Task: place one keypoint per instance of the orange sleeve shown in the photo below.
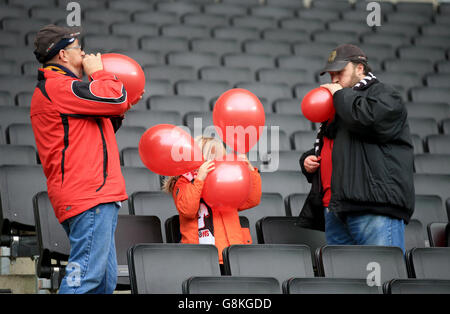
(254, 198)
(187, 196)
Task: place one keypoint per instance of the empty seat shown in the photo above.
(429, 263)
(15, 84)
(155, 203)
(283, 230)
(417, 143)
(428, 209)
(231, 75)
(11, 38)
(438, 234)
(24, 99)
(335, 37)
(432, 41)
(438, 80)
(446, 126)
(271, 12)
(107, 15)
(236, 33)
(433, 110)
(329, 286)
(312, 64)
(295, 202)
(378, 51)
(423, 126)
(132, 230)
(206, 89)
(148, 119)
(185, 31)
(206, 20)
(9, 67)
(319, 49)
(285, 76)
(282, 160)
(130, 157)
(357, 261)
(252, 61)
(21, 134)
(198, 121)
(253, 22)
(231, 285)
(275, 260)
(303, 140)
(304, 25)
(17, 155)
(285, 35)
(162, 268)
(244, 3)
(415, 8)
(415, 52)
(292, 4)
(319, 13)
(432, 184)
(225, 9)
(130, 6)
(407, 65)
(417, 286)
(164, 43)
(10, 115)
(157, 18)
(284, 182)
(288, 123)
(171, 73)
(18, 185)
(268, 47)
(432, 163)
(193, 59)
(129, 136)
(404, 79)
(23, 26)
(180, 104)
(414, 236)
(435, 30)
(408, 18)
(158, 87)
(438, 144)
(269, 91)
(179, 8)
(271, 140)
(53, 242)
(216, 46)
(354, 27)
(288, 105)
(136, 30)
(138, 179)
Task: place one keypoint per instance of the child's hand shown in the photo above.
(204, 169)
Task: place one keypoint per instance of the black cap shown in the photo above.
(341, 56)
(51, 39)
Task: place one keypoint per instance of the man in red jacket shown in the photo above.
(74, 124)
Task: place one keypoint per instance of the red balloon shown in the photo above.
(169, 150)
(317, 105)
(227, 187)
(243, 114)
(128, 71)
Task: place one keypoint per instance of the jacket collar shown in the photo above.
(366, 82)
(56, 68)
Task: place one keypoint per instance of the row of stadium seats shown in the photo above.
(254, 260)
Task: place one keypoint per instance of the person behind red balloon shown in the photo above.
(199, 223)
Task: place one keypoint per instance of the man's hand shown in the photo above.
(311, 163)
(333, 87)
(92, 63)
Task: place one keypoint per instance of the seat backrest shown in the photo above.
(294, 203)
(423, 126)
(164, 43)
(358, 261)
(274, 260)
(231, 285)
(432, 163)
(417, 286)
(284, 182)
(437, 234)
(18, 185)
(432, 184)
(430, 263)
(17, 155)
(131, 158)
(148, 119)
(252, 61)
(329, 286)
(129, 136)
(206, 89)
(162, 268)
(10, 115)
(52, 239)
(438, 144)
(414, 236)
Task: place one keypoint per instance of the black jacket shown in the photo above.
(372, 157)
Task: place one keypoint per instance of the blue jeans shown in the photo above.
(364, 230)
(92, 266)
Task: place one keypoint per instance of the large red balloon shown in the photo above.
(128, 71)
(243, 114)
(227, 187)
(317, 105)
(169, 150)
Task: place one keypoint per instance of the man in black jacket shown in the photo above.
(361, 166)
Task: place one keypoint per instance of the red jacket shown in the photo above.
(227, 228)
(75, 138)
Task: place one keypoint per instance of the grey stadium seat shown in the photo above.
(185, 31)
(304, 140)
(409, 65)
(206, 89)
(172, 73)
(17, 155)
(161, 268)
(178, 8)
(164, 43)
(215, 45)
(287, 105)
(345, 261)
(432, 163)
(269, 47)
(272, 12)
(130, 157)
(285, 160)
(288, 123)
(21, 134)
(430, 263)
(415, 52)
(252, 61)
(423, 126)
(438, 144)
(319, 13)
(430, 94)
(225, 9)
(438, 234)
(206, 20)
(180, 104)
(129, 136)
(304, 25)
(253, 22)
(232, 75)
(417, 286)
(438, 80)
(285, 35)
(10, 115)
(285, 76)
(414, 236)
(432, 184)
(429, 209)
(16, 84)
(284, 182)
(107, 15)
(334, 37)
(269, 91)
(329, 286)
(236, 33)
(157, 18)
(148, 119)
(433, 110)
(193, 59)
(275, 260)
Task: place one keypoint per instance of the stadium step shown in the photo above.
(19, 276)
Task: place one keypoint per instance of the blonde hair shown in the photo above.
(211, 148)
